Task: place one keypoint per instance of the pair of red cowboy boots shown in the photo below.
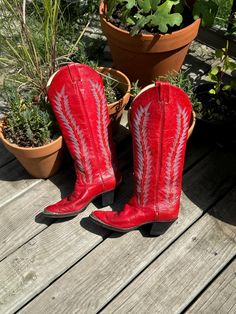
(160, 118)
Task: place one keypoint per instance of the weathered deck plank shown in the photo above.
(14, 181)
(18, 219)
(96, 280)
(121, 258)
(177, 276)
(220, 297)
(213, 175)
(32, 267)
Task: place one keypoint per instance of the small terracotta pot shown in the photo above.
(145, 57)
(116, 109)
(40, 162)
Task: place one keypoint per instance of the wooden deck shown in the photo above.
(73, 266)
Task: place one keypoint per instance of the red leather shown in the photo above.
(160, 118)
(76, 94)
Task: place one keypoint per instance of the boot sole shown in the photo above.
(157, 227)
(107, 199)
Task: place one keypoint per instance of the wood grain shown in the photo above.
(220, 297)
(19, 219)
(102, 274)
(179, 275)
(32, 267)
(14, 181)
(107, 269)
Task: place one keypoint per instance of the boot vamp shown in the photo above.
(129, 217)
(77, 201)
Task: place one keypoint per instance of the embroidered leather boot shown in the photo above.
(160, 118)
(76, 94)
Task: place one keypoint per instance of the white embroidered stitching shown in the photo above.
(143, 167)
(102, 122)
(73, 130)
(173, 161)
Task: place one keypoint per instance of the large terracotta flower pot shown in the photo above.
(116, 108)
(40, 162)
(145, 57)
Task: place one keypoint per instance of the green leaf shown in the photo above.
(226, 87)
(131, 21)
(214, 70)
(111, 6)
(232, 65)
(141, 22)
(212, 91)
(206, 10)
(154, 4)
(163, 16)
(219, 53)
(212, 77)
(144, 5)
(130, 4)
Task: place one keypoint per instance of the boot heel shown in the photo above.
(108, 198)
(158, 228)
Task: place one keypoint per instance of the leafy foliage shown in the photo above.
(217, 72)
(185, 83)
(112, 91)
(33, 43)
(206, 10)
(135, 89)
(160, 15)
(28, 123)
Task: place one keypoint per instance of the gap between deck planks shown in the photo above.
(96, 279)
(23, 198)
(26, 214)
(173, 280)
(14, 181)
(220, 297)
(103, 272)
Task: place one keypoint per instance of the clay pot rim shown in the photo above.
(126, 95)
(109, 69)
(145, 36)
(57, 141)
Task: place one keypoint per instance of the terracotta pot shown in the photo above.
(116, 109)
(145, 57)
(40, 162)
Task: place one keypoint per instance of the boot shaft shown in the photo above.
(160, 118)
(76, 94)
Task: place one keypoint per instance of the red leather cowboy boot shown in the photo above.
(76, 94)
(160, 118)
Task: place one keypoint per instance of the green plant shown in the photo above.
(111, 86)
(160, 16)
(223, 13)
(32, 47)
(29, 42)
(217, 72)
(186, 84)
(28, 123)
(135, 89)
